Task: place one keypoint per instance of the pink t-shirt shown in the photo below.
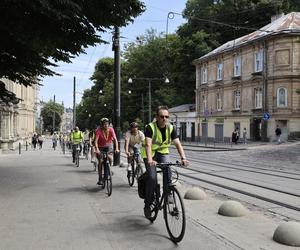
(102, 140)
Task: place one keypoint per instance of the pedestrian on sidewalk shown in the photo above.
(34, 140)
(278, 134)
(245, 136)
(235, 136)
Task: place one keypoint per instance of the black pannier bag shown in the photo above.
(142, 185)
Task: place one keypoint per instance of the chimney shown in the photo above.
(277, 16)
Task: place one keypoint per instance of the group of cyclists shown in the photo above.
(154, 144)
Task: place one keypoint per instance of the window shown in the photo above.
(258, 98)
(219, 102)
(237, 99)
(258, 61)
(281, 97)
(237, 66)
(220, 71)
(204, 102)
(204, 74)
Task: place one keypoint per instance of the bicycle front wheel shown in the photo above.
(108, 180)
(130, 174)
(154, 207)
(87, 151)
(174, 215)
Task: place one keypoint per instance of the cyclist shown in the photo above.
(133, 137)
(86, 140)
(105, 137)
(76, 138)
(159, 135)
(54, 140)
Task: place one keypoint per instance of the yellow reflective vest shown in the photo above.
(76, 137)
(157, 144)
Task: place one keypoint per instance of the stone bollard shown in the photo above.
(232, 209)
(195, 193)
(288, 233)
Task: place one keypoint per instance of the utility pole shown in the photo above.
(53, 118)
(74, 102)
(117, 86)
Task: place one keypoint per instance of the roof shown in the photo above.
(183, 108)
(289, 23)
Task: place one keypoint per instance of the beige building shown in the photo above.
(17, 118)
(251, 83)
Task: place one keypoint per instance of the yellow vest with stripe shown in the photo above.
(76, 137)
(157, 144)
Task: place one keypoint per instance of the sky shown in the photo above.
(82, 67)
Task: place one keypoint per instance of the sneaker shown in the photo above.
(147, 212)
(100, 182)
(73, 160)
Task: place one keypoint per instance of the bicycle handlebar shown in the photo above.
(168, 164)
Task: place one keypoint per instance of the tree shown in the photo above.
(229, 19)
(47, 112)
(97, 101)
(36, 34)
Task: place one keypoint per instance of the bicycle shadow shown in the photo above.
(93, 189)
(136, 228)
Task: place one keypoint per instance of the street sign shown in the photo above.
(266, 116)
(206, 113)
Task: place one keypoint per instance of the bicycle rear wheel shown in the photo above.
(77, 159)
(108, 179)
(174, 215)
(130, 174)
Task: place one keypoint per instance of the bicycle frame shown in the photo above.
(165, 169)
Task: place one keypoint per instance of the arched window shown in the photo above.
(281, 97)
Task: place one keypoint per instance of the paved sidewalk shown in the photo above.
(47, 203)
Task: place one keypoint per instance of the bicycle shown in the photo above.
(137, 171)
(77, 155)
(106, 176)
(54, 144)
(86, 149)
(171, 203)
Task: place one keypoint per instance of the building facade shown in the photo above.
(184, 117)
(67, 120)
(251, 83)
(17, 118)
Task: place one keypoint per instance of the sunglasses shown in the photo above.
(164, 116)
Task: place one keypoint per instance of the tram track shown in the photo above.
(279, 196)
(242, 168)
(257, 196)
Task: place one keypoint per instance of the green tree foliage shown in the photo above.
(36, 34)
(47, 112)
(97, 101)
(229, 19)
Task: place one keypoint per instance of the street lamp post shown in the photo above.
(130, 80)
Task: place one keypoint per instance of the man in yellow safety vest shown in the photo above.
(158, 137)
(76, 138)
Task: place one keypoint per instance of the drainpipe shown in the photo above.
(264, 127)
